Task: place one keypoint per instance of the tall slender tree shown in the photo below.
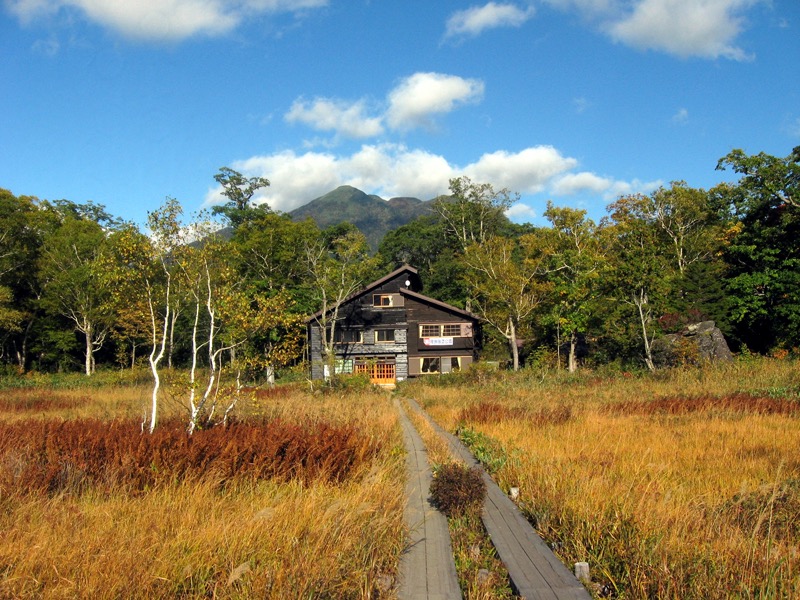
(575, 260)
(507, 282)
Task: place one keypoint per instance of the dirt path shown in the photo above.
(535, 572)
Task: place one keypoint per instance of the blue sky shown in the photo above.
(578, 101)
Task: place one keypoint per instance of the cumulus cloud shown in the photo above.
(624, 188)
(349, 119)
(684, 28)
(417, 98)
(521, 212)
(574, 183)
(475, 20)
(414, 102)
(162, 19)
(390, 170)
(704, 28)
(527, 171)
(387, 170)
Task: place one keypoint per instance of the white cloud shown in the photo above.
(581, 104)
(684, 28)
(162, 19)
(704, 28)
(387, 170)
(412, 103)
(417, 98)
(624, 188)
(349, 119)
(390, 170)
(475, 20)
(681, 117)
(521, 212)
(527, 171)
(574, 183)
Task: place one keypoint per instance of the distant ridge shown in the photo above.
(373, 215)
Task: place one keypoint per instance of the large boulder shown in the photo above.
(697, 344)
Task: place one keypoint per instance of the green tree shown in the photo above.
(239, 190)
(142, 270)
(638, 271)
(763, 250)
(74, 286)
(507, 281)
(338, 264)
(23, 223)
(425, 244)
(473, 212)
(271, 251)
(575, 262)
(685, 217)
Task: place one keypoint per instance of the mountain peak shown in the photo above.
(373, 215)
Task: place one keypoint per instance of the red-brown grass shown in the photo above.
(742, 403)
(493, 412)
(37, 400)
(72, 456)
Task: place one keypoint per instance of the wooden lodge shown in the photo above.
(391, 331)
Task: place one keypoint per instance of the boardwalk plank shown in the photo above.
(427, 569)
(535, 572)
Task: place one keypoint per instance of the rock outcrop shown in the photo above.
(697, 344)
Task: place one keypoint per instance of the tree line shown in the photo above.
(79, 287)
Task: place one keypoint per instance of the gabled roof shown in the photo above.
(438, 303)
(375, 284)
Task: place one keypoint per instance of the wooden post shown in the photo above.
(582, 572)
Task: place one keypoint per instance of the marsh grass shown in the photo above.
(678, 485)
(198, 530)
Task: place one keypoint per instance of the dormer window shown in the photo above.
(382, 300)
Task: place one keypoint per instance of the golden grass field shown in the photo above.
(682, 484)
(202, 536)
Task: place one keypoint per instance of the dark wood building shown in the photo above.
(391, 331)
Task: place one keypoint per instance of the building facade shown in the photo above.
(391, 331)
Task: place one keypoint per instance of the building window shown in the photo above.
(440, 364)
(342, 366)
(430, 365)
(430, 330)
(381, 300)
(451, 330)
(384, 335)
(349, 336)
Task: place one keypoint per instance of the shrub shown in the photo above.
(457, 489)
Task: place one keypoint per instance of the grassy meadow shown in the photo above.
(301, 496)
(680, 484)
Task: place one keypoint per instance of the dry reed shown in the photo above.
(678, 485)
(216, 532)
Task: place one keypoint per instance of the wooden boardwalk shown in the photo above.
(535, 572)
(427, 569)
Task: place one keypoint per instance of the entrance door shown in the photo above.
(380, 372)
